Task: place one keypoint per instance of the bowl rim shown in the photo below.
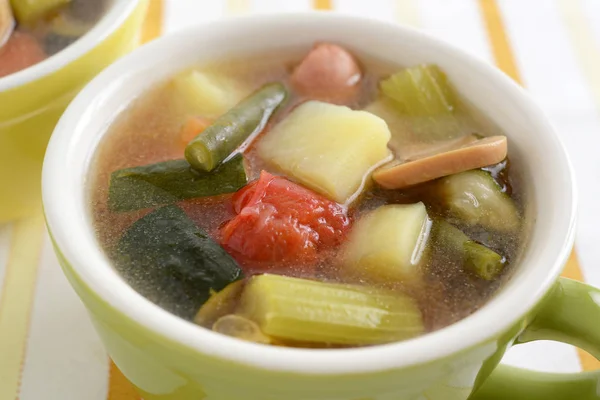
(486, 325)
(117, 14)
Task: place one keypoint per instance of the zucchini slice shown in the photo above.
(173, 263)
(474, 198)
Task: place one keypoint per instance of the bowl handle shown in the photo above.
(571, 314)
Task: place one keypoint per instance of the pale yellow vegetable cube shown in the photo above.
(328, 148)
(208, 93)
(388, 244)
(28, 11)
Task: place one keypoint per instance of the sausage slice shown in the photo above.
(21, 51)
(327, 73)
(476, 154)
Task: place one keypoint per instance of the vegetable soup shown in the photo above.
(33, 30)
(309, 200)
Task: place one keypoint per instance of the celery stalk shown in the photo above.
(309, 311)
(420, 91)
(423, 95)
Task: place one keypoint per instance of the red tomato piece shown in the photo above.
(280, 223)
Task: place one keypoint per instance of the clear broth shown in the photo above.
(148, 132)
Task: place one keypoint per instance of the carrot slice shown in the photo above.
(192, 128)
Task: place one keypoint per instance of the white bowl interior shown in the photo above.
(533, 146)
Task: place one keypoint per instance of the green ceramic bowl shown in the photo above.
(33, 100)
(168, 358)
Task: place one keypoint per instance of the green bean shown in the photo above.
(230, 130)
(476, 258)
(485, 263)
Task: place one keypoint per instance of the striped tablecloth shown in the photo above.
(48, 349)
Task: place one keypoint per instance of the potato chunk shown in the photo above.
(387, 244)
(327, 148)
(207, 93)
(28, 11)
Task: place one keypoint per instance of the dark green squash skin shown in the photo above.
(166, 250)
(171, 181)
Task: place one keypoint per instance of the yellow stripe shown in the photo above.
(505, 60)
(323, 5)
(119, 388)
(237, 7)
(503, 54)
(153, 23)
(16, 300)
(406, 13)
